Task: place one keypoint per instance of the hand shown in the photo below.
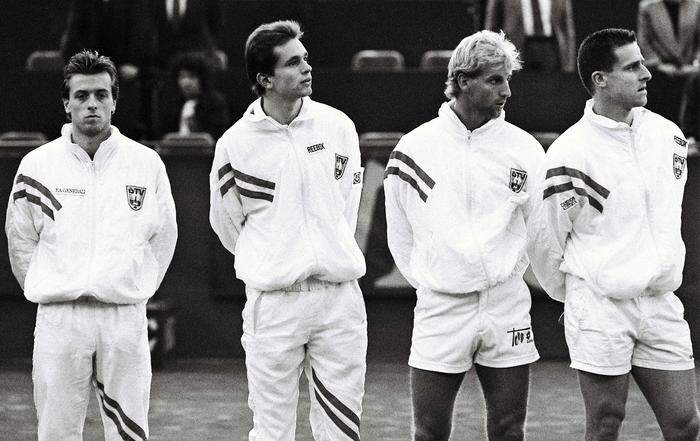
(128, 72)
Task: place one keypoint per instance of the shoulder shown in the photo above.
(520, 137)
(45, 153)
(329, 114)
(135, 150)
(426, 132)
(646, 4)
(570, 144)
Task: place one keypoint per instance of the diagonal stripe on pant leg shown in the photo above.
(128, 421)
(338, 422)
(125, 436)
(352, 416)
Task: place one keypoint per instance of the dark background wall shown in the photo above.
(200, 283)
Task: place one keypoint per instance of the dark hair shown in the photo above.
(259, 49)
(597, 52)
(196, 63)
(89, 62)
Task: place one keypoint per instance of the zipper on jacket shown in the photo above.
(303, 196)
(93, 221)
(470, 195)
(637, 162)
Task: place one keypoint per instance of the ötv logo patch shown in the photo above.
(135, 196)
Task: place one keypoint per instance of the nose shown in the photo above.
(92, 101)
(646, 75)
(505, 91)
(307, 66)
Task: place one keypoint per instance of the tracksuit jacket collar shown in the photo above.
(104, 151)
(449, 115)
(255, 112)
(610, 124)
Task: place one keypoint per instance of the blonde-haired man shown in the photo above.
(458, 201)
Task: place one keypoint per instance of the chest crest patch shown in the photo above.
(340, 163)
(678, 165)
(135, 196)
(517, 179)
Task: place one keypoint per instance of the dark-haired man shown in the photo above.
(91, 231)
(285, 190)
(612, 197)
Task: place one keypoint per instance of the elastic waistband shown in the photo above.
(87, 299)
(310, 284)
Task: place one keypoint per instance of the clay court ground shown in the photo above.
(205, 400)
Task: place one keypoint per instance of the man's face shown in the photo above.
(90, 103)
(292, 73)
(487, 93)
(189, 84)
(626, 83)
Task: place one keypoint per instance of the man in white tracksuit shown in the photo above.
(459, 196)
(91, 231)
(285, 191)
(612, 197)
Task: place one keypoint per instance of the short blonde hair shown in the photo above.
(477, 51)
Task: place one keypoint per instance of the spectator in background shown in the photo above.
(117, 28)
(669, 35)
(200, 107)
(542, 29)
(188, 26)
(690, 113)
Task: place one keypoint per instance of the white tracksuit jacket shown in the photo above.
(104, 228)
(613, 197)
(284, 198)
(457, 202)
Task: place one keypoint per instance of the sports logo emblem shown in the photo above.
(340, 163)
(517, 179)
(134, 196)
(678, 165)
(680, 141)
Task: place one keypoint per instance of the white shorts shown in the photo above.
(315, 326)
(492, 328)
(82, 343)
(608, 336)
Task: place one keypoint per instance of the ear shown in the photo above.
(65, 105)
(264, 80)
(462, 81)
(599, 78)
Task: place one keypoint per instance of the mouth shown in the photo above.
(306, 81)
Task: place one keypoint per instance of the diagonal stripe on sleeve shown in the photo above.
(253, 180)
(255, 194)
(225, 169)
(36, 200)
(549, 191)
(574, 173)
(39, 186)
(407, 178)
(411, 163)
(338, 422)
(227, 186)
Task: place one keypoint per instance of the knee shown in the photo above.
(607, 422)
(431, 431)
(683, 428)
(508, 427)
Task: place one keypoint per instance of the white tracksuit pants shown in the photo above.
(80, 343)
(316, 326)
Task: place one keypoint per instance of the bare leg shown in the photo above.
(433, 395)
(671, 395)
(604, 397)
(505, 393)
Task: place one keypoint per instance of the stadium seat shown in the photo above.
(23, 136)
(545, 138)
(45, 61)
(377, 60)
(435, 60)
(378, 145)
(178, 145)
